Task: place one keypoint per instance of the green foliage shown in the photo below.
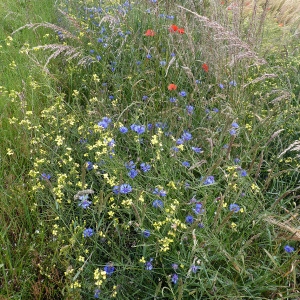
(141, 162)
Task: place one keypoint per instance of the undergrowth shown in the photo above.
(151, 152)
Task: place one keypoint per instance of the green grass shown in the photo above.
(64, 160)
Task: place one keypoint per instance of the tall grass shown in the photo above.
(150, 152)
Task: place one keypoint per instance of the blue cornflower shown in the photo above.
(158, 204)
(232, 132)
(215, 109)
(89, 166)
(100, 40)
(123, 129)
(189, 109)
(194, 268)
(139, 129)
(236, 160)
(198, 208)
(235, 125)
(182, 93)
(138, 62)
(174, 278)
(88, 232)
(45, 176)
(221, 86)
(148, 265)
(234, 207)
(161, 193)
(111, 97)
(109, 269)
(189, 219)
(161, 125)
(201, 225)
(170, 17)
(243, 173)
(130, 165)
(233, 83)
(104, 122)
(186, 164)
(144, 98)
(175, 149)
(125, 188)
(289, 249)
(146, 233)
(145, 167)
(96, 293)
(98, 57)
(173, 54)
(179, 141)
(197, 149)
(149, 126)
(132, 173)
(175, 267)
(92, 51)
(173, 99)
(186, 136)
(149, 56)
(163, 63)
(111, 143)
(84, 202)
(198, 81)
(116, 189)
(209, 180)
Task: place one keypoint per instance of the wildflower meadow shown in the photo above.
(149, 149)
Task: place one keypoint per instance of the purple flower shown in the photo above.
(149, 56)
(161, 193)
(235, 125)
(116, 189)
(45, 176)
(158, 204)
(194, 268)
(179, 141)
(139, 129)
(289, 249)
(144, 98)
(173, 99)
(197, 149)
(221, 86)
(96, 294)
(123, 129)
(88, 232)
(175, 149)
(243, 173)
(186, 136)
(109, 269)
(233, 83)
(236, 160)
(104, 122)
(132, 173)
(209, 180)
(148, 265)
(234, 207)
(232, 132)
(186, 164)
(130, 165)
(125, 188)
(175, 267)
(189, 109)
(182, 93)
(146, 233)
(215, 110)
(198, 209)
(89, 166)
(189, 219)
(163, 63)
(84, 202)
(174, 278)
(145, 167)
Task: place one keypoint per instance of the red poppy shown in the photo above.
(205, 67)
(180, 30)
(173, 28)
(150, 32)
(172, 87)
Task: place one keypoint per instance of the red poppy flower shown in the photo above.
(173, 28)
(180, 30)
(150, 32)
(172, 87)
(205, 67)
